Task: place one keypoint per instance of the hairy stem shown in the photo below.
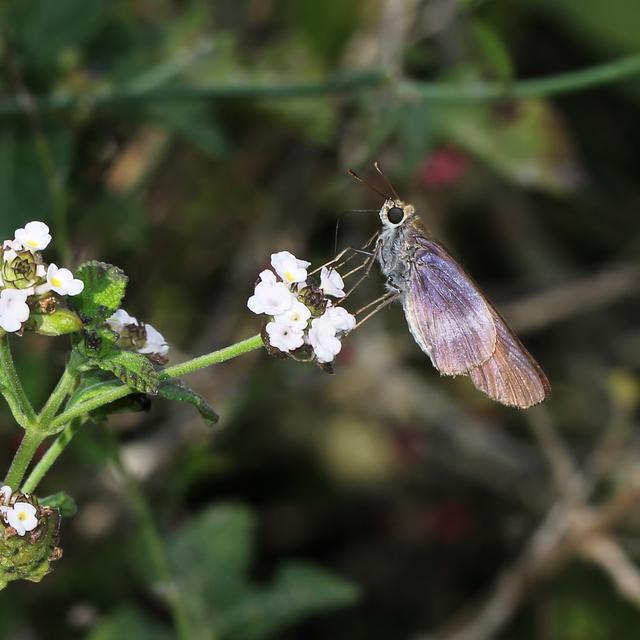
(63, 389)
(30, 442)
(11, 387)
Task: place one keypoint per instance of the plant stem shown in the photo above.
(190, 366)
(216, 357)
(353, 82)
(57, 397)
(11, 387)
(29, 445)
(51, 455)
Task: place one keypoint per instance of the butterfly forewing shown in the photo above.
(447, 315)
(511, 375)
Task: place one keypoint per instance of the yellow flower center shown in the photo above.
(56, 282)
(32, 243)
(22, 515)
(289, 276)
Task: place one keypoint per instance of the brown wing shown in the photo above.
(511, 376)
(447, 315)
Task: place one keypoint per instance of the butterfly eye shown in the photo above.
(395, 215)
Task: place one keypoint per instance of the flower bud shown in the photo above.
(58, 323)
(28, 556)
(21, 270)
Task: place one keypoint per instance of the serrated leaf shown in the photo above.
(172, 390)
(61, 501)
(104, 288)
(134, 369)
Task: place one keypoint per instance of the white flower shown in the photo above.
(270, 297)
(284, 337)
(331, 283)
(14, 309)
(155, 342)
(6, 492)
(119, 320)
(63, 282)
(10, 249)
(322, 337)
(22, 517)
(341, 319)
(35, 236)
(268, 276)
(289, 268)
(296, 317)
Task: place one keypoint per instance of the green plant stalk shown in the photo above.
(31, 440)
(51, 455)
(68, 422)
(12, 389)
(156, 549)
(59, 394)
(346, 83)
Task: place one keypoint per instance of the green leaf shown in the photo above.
(44, 30)
(61, 501)
(492, 51)
(177, 391)
(104, 289)
(211, 557)
(299, 590)
(24, 188)
(134, 369)
(129, 624)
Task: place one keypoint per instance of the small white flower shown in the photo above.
(63, 282)
(289, 268)
(284, 337)
(14, 309)
(6, 492)
(270, 297)
(22, 517)
(10, 249)
(341, 319)
(155, 342)
(295, 317)
(35, 236)
(119, 320)
(322, 337)
(268, 276)
(331, 283)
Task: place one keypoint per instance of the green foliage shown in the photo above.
(61, 501)
(179, 392)
(129, 624)
(133, 369)
(25, 190)
(58, 323)
(211, 558)
(104, 289)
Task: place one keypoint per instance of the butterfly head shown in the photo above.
(395, 213)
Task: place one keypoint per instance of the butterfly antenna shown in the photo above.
(353, 174)
(387, 181)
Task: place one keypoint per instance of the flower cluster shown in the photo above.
(23, 275)
(137, 336)
(302, 313)
(21, 516)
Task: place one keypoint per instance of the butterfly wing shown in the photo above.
(447, 315)
(511, 376)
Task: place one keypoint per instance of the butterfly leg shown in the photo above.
(380, 303)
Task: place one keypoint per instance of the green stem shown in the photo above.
(353, 82)
(51, 455)
(12, 389)
(156, 551)
(63, 389)
(30, 442)
(111, 395)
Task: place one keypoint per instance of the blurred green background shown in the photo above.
(382, 501)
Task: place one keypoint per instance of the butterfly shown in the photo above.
(449, 316)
